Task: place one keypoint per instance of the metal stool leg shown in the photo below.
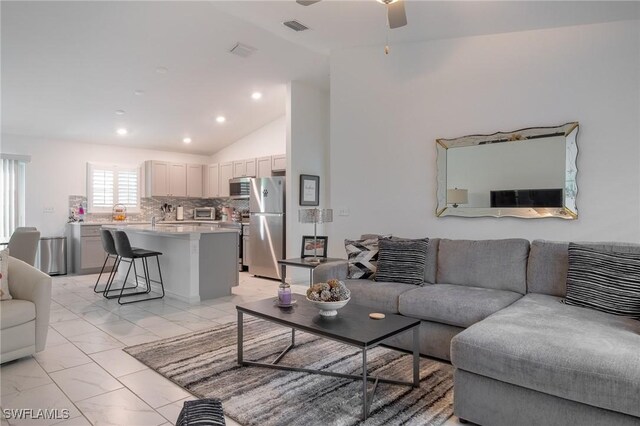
(104, 265)
(148, 280)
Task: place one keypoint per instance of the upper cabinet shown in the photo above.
(212, 180)
(195, 180)
(244, 168)
(156, 178)
(278, 163)
(177, 179)
(263, 167)
(166, 179)
(225, 174)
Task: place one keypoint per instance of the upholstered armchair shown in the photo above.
(24, 319)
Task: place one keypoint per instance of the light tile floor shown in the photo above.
(83, 368)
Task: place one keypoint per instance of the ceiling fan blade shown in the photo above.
(307, 2)
(396, 14)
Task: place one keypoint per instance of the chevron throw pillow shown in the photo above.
(362, 256)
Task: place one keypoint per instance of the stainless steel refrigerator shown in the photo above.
(266, 226)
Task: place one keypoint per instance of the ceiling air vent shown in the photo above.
(295, 26)
(242, 50)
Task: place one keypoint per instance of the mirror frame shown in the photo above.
(567, 211)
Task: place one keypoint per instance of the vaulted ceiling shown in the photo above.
(67, 67)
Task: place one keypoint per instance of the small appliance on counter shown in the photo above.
(119, 213)
(204, 213)
(180, 213)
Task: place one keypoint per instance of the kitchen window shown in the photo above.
(109, 184)
(12, 181)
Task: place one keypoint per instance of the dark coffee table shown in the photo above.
(352, 326)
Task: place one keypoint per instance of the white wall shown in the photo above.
(307, 153)
(387, 110)
(58, 169)
(270, 139)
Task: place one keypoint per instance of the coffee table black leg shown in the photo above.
(365, 409)
(416, 356)
(240, 337)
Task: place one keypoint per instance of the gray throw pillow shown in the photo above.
(603, 280)
(402, 261)
(362, 256)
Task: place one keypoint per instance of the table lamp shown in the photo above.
(315, 216)
(457, 196)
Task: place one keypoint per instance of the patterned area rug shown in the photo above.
(205, 364)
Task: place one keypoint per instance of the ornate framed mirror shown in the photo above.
(527, 173)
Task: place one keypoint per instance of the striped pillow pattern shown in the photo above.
(201, 412)
(604, 281)
(402, 261)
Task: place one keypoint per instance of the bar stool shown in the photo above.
(129, 254)
(110, 248)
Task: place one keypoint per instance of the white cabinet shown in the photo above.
(194, 180)
(278, 163)
(225, 172)
(87, 253)
(165, 179)
(244, 168)
(211, 181)
(177, 180)
(263, 167)
(157, 178)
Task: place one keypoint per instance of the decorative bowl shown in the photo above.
(329, 309)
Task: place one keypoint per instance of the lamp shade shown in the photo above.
(457, 196)
(315, 215)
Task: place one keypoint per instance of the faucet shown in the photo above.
(153, 222)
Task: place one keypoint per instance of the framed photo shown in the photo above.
(307, 246)
(309, 190)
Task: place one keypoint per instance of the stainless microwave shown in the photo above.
(204, 213)
(240, 187)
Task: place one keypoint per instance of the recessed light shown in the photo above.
(256, 95)
(122, 131)
(139, 92)
(120, 112)
(186, 140)
(161, 70)
(220, 119)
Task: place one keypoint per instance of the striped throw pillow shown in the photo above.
(201, 412)
(402, 261)
(604, 281)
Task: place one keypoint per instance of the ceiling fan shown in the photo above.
(395, 11)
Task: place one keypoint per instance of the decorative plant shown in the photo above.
(331, 291)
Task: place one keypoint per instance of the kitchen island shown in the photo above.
(198, 262)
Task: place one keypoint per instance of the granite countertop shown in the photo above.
(172, 229)
(145, 222)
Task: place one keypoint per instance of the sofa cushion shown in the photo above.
(377, 295)
(4, 275)
(457, 305)
(549, 263)
(15, 312)
(362, 256)
(542, 344)
(604, 281)
(496, 264)
(402, 261)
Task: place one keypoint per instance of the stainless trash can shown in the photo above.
(52, 255)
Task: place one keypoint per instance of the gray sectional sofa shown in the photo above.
(521, 357)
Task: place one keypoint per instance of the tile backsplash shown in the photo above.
(150, 207)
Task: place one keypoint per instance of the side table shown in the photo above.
(304, 263)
